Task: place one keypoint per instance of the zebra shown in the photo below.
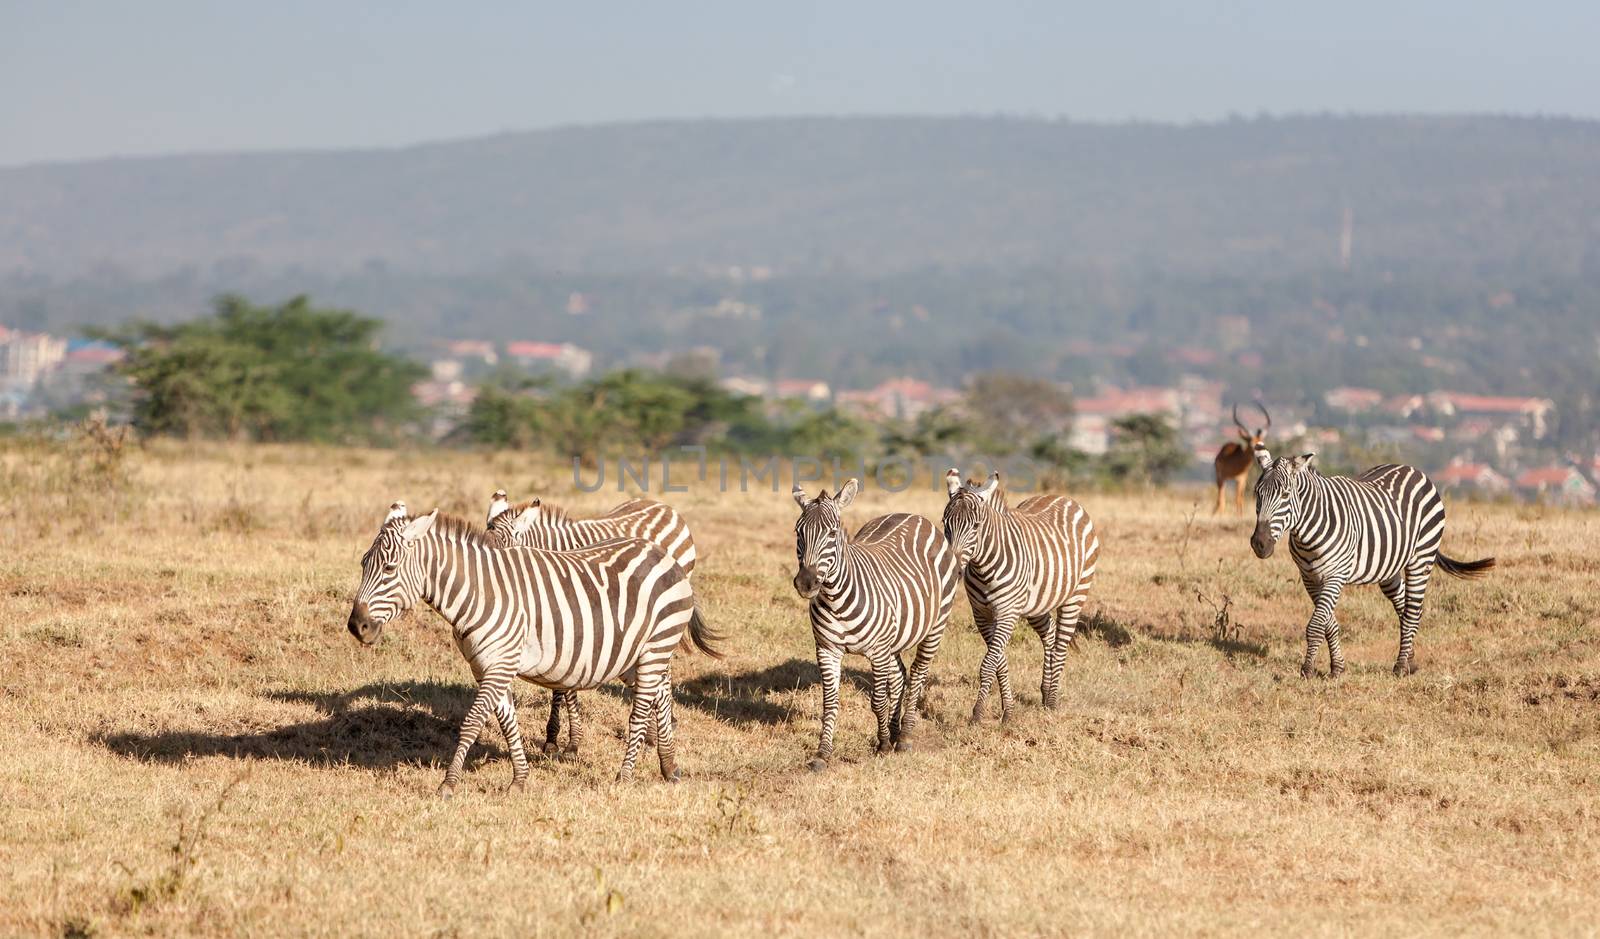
(565, 620)
(887, 589)
(1382, 527)
(536, 524)
(1035, 561)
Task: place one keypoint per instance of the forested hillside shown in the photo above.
(854, 249)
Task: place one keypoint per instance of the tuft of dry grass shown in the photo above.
(195, 746)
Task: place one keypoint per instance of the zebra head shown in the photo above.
(967, 512)
(391, 574)
(819, 537)
(508, 524)
(1277, 498)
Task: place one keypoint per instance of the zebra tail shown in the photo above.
(1469, 570)
(700, 636)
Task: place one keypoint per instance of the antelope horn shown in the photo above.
(1236, 420)
(1264, 414)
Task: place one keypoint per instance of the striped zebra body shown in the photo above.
(1035, 561)
(1383, 527)
(885, 590)
(536, 524)
(565, 620)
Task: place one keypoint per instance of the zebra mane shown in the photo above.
(449, 527)
(549, 508)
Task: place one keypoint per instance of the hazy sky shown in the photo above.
(82, 80)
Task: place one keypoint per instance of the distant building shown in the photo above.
(574, 360)
(1404, 406)
(903, 398)
(449, 401)
(1532, 413)
(1353, 400)
(25, 357)
(807, 388)
(741, 385)
(1113, 403)
(1479, 477)
(479, 349)
(1558, 485)
(1090, 433)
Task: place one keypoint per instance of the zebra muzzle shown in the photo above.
(806, 583)
(362, 626)
(1262, 543)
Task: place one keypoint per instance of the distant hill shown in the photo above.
(858, 195)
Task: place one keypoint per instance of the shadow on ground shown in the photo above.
(376, 726)
(743, 698)
(379, 726)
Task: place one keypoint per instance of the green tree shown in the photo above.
(286, 372)
(1010, 412)
(1145, 449)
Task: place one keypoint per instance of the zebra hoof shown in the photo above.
(1336, 671)
(902, 745)
(1052, 704)
(568, 755)
(447, 790)
(1307, 672)
(1402, 669)
(551, 748)
(624, 776)
(675, 776)
(516, 786)
(817, 764)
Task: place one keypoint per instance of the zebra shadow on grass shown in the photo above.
(375, 726)
(745, 698)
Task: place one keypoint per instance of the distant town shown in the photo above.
(1490, 446)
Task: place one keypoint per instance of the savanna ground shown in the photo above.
(193, 744)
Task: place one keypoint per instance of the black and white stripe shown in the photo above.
(536, 524)
(1382, 527)
(1035, 561)
(566, 620)
(886, 589)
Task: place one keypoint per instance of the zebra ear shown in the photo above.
(799, 495)
(525, 520)
(1303, 460)
(498, 504)
(419, 526)
(990, 487)
(952, 481)
(1263, 457)
(847, 493)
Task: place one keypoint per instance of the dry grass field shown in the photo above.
(194, 745)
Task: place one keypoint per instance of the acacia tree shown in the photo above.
(286, 372)
(1145, 448)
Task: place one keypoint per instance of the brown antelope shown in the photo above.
(1235, 459)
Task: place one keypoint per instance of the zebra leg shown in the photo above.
(552, 727)
(1064, 629)
(505, 711)
(1327, 597)
(897, 703)
(916, 691)
(886, 689)
(492, 687)
(574, 726)
(828, 664)
(995, 627)
(1335, 654)
(666, 751)
(1416, 586)
(644, 705)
